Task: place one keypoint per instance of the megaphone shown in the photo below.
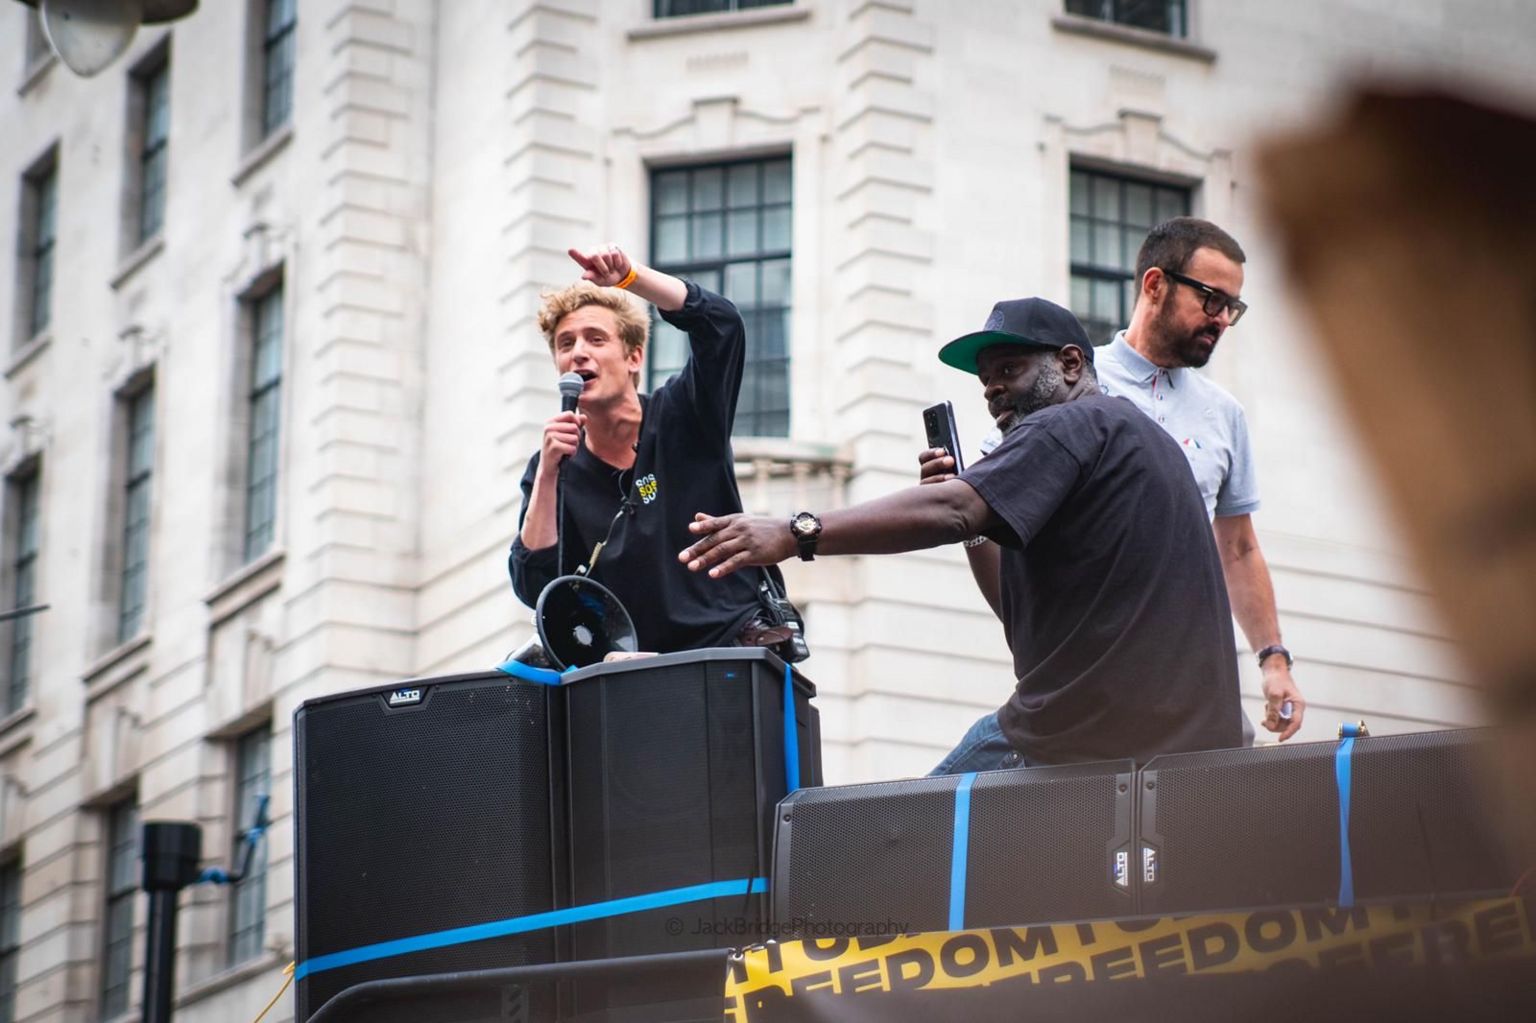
(88, 35)
(579, 622)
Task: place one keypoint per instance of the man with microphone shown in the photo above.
(634, 466)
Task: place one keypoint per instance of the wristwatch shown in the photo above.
(1275, 648)
(806, 529)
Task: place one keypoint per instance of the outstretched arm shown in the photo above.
(908, 520)
(937, 466)
(1252, 594)
(608, 267)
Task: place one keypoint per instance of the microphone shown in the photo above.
(570, 391)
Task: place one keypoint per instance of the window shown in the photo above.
(10, 936)
(679, 8)
(264, 402)
(139, 461)
(727, 226)
(153, 101)
(1110, 217)
(22, 501)
(117, 920)
(1165, 16)
(278, 23)
(39, 214)
(248, 900)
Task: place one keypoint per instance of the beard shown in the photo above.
(1190, 348)
(1041, 394)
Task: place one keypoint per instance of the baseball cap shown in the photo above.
(1029, 322)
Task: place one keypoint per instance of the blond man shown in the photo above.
(636, 466)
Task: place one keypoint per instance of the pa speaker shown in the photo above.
(423, 807)
(1249, 828)
(998, 848)
(676, 764)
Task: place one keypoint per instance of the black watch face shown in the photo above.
(805, 523)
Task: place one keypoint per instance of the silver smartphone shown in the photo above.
(939, 422)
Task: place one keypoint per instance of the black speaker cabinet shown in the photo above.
(425, 806)
(676, 764)
(1034, 845)
(1248, 828)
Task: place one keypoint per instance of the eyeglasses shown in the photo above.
(1214, 300)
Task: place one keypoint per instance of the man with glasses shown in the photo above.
(1189, 274)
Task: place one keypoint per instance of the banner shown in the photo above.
(958, 974)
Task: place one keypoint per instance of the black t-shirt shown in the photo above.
(683, 464)
(1113, 599)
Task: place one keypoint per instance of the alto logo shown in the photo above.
(1148, 865)
(404, 697)
(1122, 869)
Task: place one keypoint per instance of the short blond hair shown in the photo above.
(634, 325)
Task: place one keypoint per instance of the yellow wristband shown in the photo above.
(629, 279)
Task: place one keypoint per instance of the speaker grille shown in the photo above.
(1237, 829)
(419, 820)
(1043, 842)
(851, 856)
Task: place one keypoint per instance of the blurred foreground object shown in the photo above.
(88, 35)
(1409, 228)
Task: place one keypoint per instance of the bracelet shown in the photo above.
(975, 541)
(629, 278)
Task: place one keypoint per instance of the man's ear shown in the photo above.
(1072, 360)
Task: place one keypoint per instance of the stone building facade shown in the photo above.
(271, 374)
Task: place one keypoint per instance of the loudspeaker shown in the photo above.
(676, 764)
(1248, 828)
(998, 848)
(424, 806)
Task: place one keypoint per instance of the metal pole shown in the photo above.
(160, 960)
(171, 850)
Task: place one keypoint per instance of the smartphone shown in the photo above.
(939, 422)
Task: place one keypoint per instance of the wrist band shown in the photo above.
(975, 541)
(629, 279)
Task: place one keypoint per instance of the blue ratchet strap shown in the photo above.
(528, 673)
(791, 734)
(533, 922)
(1341, 771)
(960, 852)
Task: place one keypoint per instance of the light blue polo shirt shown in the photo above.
(1207, 422)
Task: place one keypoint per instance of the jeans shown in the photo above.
(982, 748)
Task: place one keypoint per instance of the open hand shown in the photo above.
(729, 542)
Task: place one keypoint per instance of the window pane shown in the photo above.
(1081, 252)
(741, 232)
(253, 779)
(776, 229)
(1172, 203)
(708, 189)
(1138, 205)
(775, 282)
(741, 185)
(671, 242)
(1081, 303)
(741, 285)
(776, 184)
(1106, 197)
(670, 191)
(1106, 245)
(706, 236)
(738, 213)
